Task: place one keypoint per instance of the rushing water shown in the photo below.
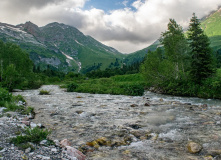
(192, 100)
(116, 127)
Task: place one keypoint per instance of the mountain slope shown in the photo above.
(138, 56)
(212, 28)
(59, 45)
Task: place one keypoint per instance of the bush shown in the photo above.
(19, 98)
(54, 79)
(13, 107)
(5, 95)
(133, 89)
(72, 87)
(35, 135)
(44, 92)
(34, 84)
(27, 111)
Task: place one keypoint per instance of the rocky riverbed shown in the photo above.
(115, 127)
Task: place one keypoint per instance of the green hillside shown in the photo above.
(212, 27)
(138, 56)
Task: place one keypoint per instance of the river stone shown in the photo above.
(194, 147)
(28, 150)
(208, 158)
(43, 142)
(134, 105)
(65, 143)
(53, 150)
(27, 123)
(33, 125)
(161, 100)
(214, 152)
(75, 153)
(2, 109)
(17, 90)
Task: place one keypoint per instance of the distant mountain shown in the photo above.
(61, 46)
(138, 56)
(212, 27)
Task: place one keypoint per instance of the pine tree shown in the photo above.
(202, 64)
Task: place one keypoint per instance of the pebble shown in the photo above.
(43, 142)
(53, 150)
(28, 150)
(33, 125)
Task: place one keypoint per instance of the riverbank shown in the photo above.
(114, 127)
(12, 124)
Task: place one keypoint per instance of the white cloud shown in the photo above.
(125, 3)
(125, 29)
(137, 4)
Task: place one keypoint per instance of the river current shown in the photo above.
(117, 127)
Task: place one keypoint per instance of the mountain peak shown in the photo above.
(30, 28)
(56, 24)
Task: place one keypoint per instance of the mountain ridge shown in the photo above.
(67, 49)
(59, 45)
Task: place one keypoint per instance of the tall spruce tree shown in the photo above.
(202, 64)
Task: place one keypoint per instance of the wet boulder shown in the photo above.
(194, 147)
(93, 144)
(71, 151)
(140, 134)
(75, 153)
(134, 105)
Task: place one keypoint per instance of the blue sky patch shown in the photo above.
(108, 5)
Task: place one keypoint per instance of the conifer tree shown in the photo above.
(202, 64)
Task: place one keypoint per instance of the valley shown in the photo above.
(65, 95)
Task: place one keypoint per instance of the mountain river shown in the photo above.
(117, 127)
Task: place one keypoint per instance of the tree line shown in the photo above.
(16, 68)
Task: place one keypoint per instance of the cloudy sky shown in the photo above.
(127, 25)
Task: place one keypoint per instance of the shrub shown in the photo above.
(44, 92)
(13, 107)
(35, 135)
(72, 87)
(34, 84)
(27, 111)
(133, 89)
(19, 98)
(5, 95)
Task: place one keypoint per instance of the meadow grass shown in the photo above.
(132, 84)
